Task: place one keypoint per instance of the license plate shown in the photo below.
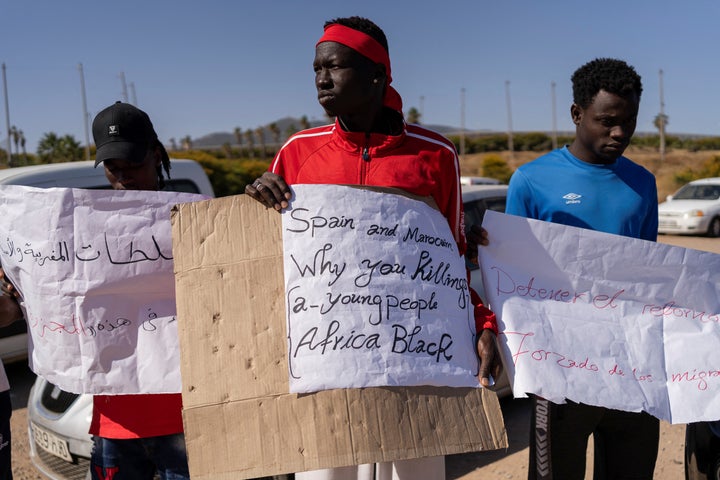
(51, 443)
(667, 223)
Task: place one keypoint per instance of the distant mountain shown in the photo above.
(217, 139)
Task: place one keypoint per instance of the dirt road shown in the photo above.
(503, 464)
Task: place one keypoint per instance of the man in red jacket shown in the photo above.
(370, 144)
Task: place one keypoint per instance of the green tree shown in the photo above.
(711, 168)
(661, 122)
(227, 150)
(55, 149)
(413, 115)
(494, 166)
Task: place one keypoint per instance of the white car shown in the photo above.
(479, 181)
(693, 210)
(59, 421)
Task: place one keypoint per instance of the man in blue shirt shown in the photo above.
(590, 184)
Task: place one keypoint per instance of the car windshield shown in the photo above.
(698, 192)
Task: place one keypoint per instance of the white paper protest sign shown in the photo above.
(376, 293)
(95, 271)
(604, 319)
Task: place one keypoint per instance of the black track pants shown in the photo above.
(626, 444)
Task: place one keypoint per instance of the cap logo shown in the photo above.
(114, 130)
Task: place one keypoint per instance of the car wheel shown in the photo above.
(714, 228)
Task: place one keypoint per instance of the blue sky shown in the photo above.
(199, 67)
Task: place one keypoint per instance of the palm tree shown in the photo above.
(413, 115)
(250, 140)
(260, 132)
(16, 139)
(186, 142)
(70, 149)
(173, 144)
(239, 138)
(53, 149)
(304, 123)
(275, 131)
(48, 146)
(22, 144)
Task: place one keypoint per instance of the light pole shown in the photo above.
(132, 94)
(509, 116)
(7, 116)
(85, 112)
(554, 116)
(124, 87)
(462, 122)
(661, 119)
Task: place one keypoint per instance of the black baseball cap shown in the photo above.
(123, 131)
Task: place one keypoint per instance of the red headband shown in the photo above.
(368, 47)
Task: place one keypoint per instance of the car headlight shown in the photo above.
(694, 213)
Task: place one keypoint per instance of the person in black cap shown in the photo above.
(134, 436)
(125, 140)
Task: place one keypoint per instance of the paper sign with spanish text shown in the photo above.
(604, 319)
(376, 293)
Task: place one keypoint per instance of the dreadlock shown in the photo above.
(165, 165)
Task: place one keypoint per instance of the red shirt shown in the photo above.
(419, 161)
(136, 416)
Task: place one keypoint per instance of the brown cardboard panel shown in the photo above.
(240, 420)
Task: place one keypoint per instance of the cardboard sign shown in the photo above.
(240, 419)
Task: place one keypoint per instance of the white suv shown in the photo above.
(58, 421)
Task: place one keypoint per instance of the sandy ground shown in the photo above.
(501, 464)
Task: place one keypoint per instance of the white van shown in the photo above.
(185, 176)
(58, 421)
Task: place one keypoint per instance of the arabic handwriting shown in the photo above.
(134, 251)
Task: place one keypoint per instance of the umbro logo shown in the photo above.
(572, 198)
(114, 130)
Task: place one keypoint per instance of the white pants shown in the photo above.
(430, 468)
